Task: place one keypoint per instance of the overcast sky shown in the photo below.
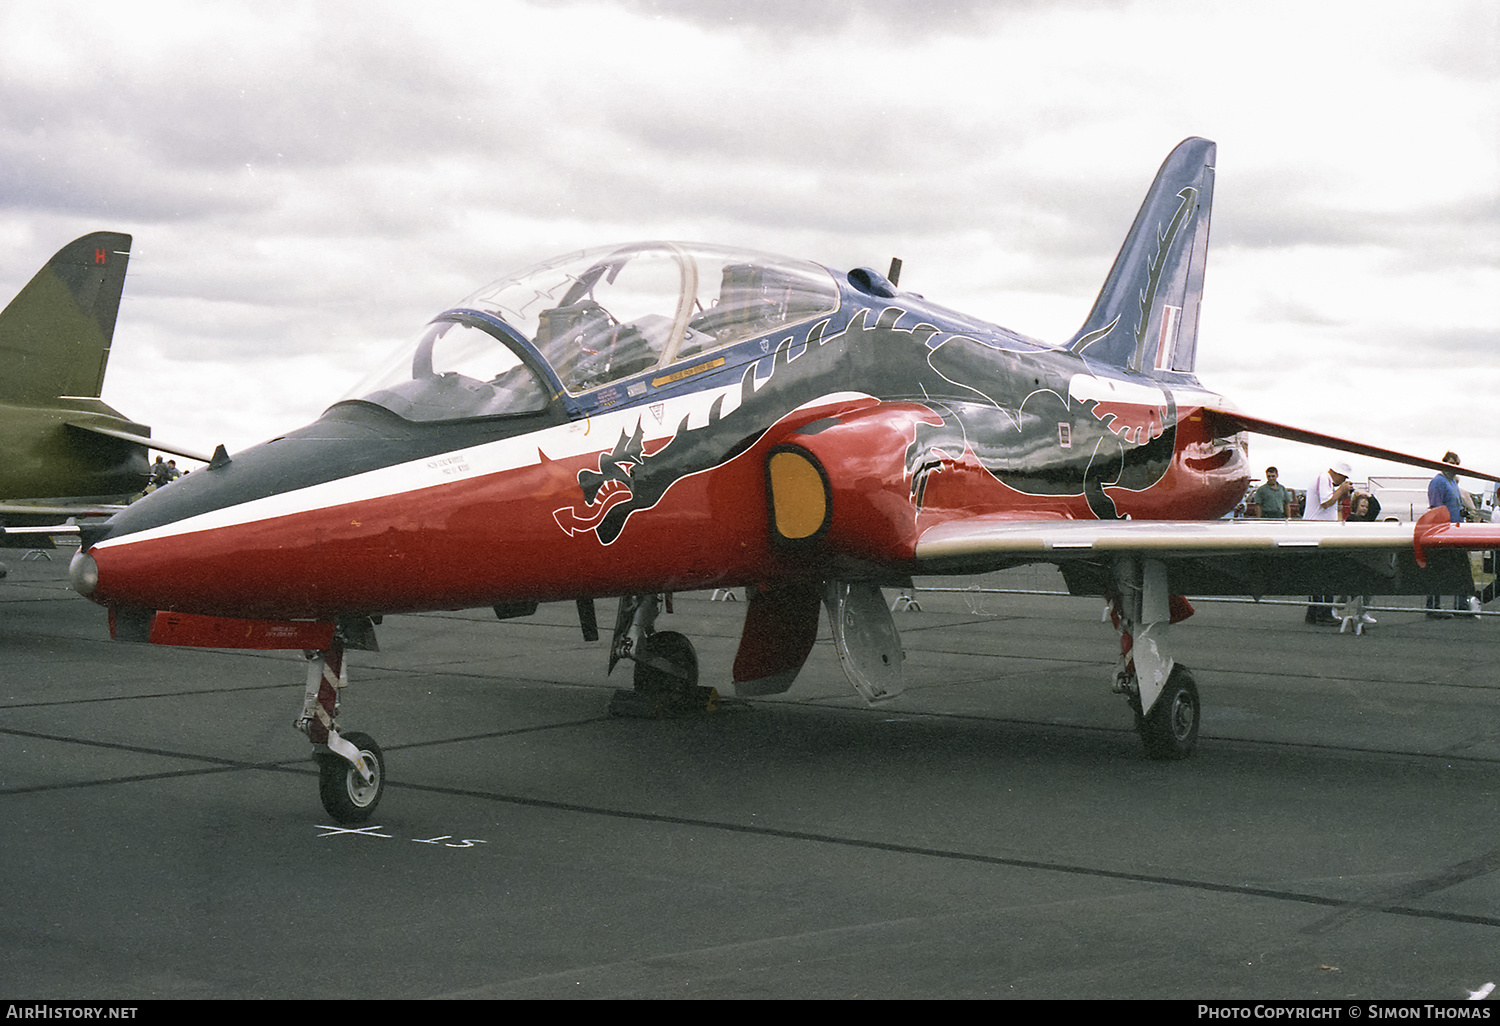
(308, 183)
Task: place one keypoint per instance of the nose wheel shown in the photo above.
(346, 794)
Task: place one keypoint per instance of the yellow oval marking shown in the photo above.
(799, 500)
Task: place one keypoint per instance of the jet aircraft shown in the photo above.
(66, 452)
(658, 417)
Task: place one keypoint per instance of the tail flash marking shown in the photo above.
(1166, 342)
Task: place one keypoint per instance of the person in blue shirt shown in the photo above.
(1443, 490)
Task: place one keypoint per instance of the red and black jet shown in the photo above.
(643, 419)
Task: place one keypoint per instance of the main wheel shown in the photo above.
(344, 792)
(1170, 730)
(676, 651)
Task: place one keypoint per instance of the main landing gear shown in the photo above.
(1162, 693)
(666, 666)
(351, 768)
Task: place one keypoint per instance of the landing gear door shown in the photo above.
(865, 636)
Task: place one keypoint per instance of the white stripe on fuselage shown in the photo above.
(658, 421)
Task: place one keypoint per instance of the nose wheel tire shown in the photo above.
(346, 795)
(1170, 730)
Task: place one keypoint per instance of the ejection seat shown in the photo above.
(590, 345)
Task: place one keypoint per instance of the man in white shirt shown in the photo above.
(1331, 488)
(1322, 503)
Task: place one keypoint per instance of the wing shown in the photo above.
(52, 509)
(1222, 557)
(1234, 420)
(95, 427)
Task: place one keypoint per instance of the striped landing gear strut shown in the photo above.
(351, 768)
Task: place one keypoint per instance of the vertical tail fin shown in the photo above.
(1146, 317)
(55, 335)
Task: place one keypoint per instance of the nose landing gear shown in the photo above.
(351, 769)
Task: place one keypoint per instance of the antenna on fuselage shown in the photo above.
(895, 276)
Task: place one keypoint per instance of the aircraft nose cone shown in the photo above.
(83, 574)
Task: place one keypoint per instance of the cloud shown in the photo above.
(775, 19)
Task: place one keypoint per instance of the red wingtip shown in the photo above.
(1430, 523)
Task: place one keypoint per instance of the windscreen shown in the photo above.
(454, 372)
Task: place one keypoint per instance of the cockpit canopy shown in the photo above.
(589, 319)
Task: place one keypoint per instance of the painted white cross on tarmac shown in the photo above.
(368, 831)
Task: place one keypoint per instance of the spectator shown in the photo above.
(1272, 498)
(1322, 503)
(1362, 508)
(1443, 492)
(158, 475)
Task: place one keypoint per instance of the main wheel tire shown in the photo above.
(344, 793)
(1170, 730)
(675, 650)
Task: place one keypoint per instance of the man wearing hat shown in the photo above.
(1323, 498)
(1331, 488)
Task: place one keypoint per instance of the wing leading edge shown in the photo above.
(139, 438)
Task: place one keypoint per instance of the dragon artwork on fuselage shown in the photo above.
(1072, 435)
(1058, 442)
(1109, 432)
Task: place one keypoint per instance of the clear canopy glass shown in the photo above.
(594, 318)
